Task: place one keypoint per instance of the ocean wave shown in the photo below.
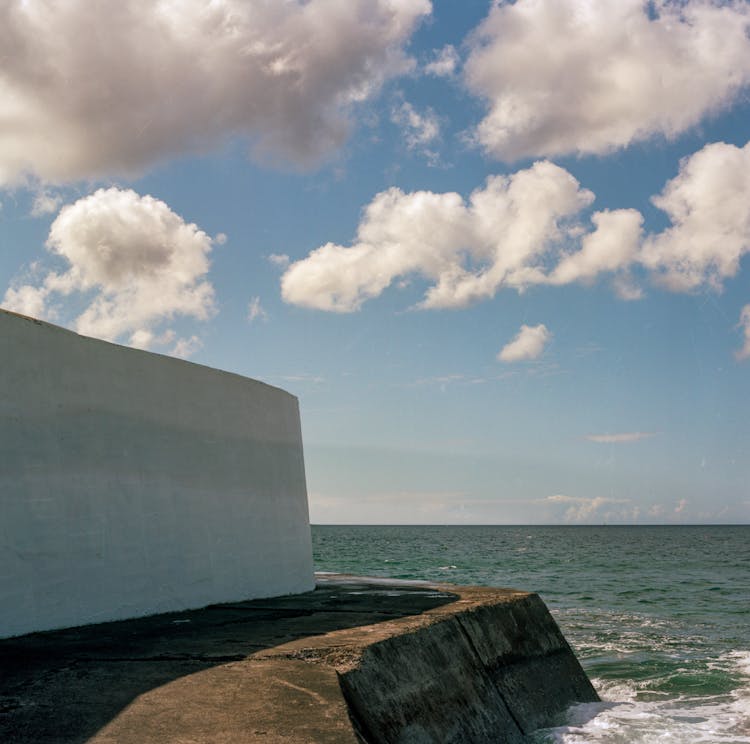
(721, 719)
(696, 700)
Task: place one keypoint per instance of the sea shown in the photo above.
(659, 616)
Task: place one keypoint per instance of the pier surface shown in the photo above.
(355, 660)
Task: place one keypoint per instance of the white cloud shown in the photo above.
(625, 288)
(45, 202)
(590, 77)
(180, 347)
(133, 261)
(186, 347)
(621, 438)
(525, 229)
(584, 509)
(708, 203)
(255, 310)
(528, 344)
(503, 236)
(143, 338)
(279, 259)
(112, 87)
(445, 62)
(744, 323)
(27, 300)
(612, 246)
(418, 130)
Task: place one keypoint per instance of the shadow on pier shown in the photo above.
(66, 686)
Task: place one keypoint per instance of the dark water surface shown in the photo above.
(659, 616)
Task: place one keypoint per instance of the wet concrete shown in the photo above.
(353, 660)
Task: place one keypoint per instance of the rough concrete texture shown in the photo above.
(353, 661)
(122, 468)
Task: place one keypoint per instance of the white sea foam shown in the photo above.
(625, 718)
(741, 659)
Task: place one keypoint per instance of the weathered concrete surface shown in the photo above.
(352, 661)
(121, 468)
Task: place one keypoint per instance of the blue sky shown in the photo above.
(496, 250)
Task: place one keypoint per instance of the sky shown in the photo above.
(496, 249)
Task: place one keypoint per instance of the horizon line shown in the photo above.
(526, 524)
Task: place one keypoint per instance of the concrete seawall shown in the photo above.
(133, 483)
(353, 661)
(499, 663)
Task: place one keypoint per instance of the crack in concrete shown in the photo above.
(314, 695)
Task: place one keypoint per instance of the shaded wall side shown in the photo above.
(132, 483)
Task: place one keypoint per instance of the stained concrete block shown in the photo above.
(495, 660)
(528, 659)
(426, 686)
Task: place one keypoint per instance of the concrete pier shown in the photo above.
(356, 660)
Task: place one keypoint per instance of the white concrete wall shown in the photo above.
(132, 483)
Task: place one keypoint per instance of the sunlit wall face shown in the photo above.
(133, 484)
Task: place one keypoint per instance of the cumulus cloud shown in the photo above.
(612, 246)
(621, 438)
(528, 344)
(445, 62)
(526, 229)
(418, 130)
(708, 204)
(572, 77)
(132, 260)
(467, 250)
(112, 87)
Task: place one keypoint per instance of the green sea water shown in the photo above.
(658, 616)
